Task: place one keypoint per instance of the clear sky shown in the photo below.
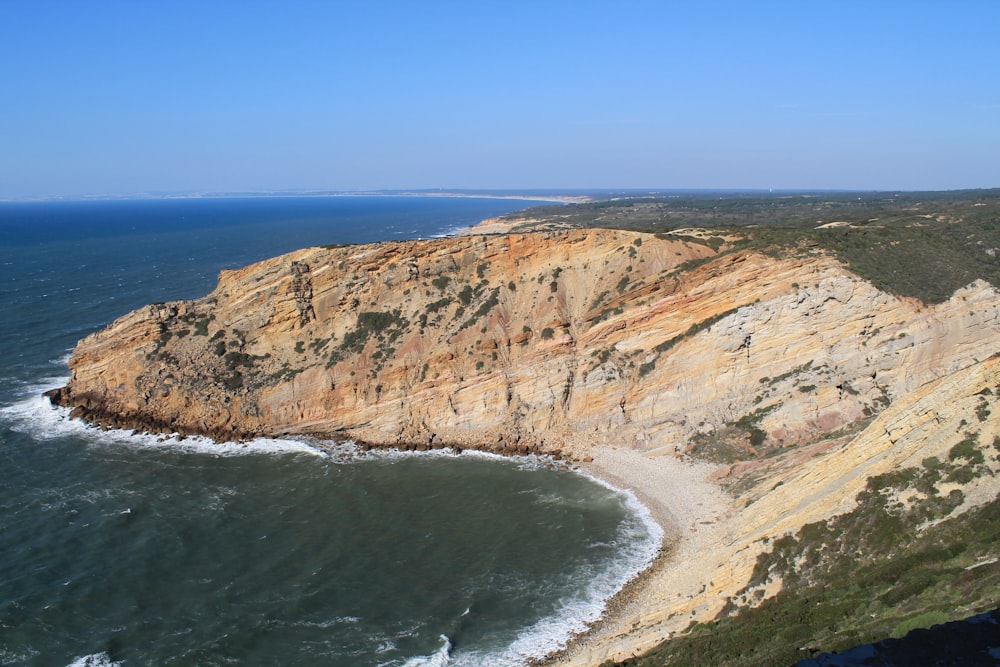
(132, 96)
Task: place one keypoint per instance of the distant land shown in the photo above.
(583, 195)
(528, 195)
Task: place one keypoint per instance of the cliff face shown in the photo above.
(584, 343)
(529, 341)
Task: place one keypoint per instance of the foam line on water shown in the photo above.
(440, 658)
(36, 416)
(348, 452)
(638, 540)
(94, 660)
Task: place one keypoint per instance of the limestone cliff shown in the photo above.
(527, 341)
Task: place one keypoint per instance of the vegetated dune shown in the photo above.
(635, 353)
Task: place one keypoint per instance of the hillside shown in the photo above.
(797, 379)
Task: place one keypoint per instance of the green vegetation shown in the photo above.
(599, 299)
(689, 265)
(983, 409)
(285, 373)
(484, 308)
(385, 326)
(435, 306)
(547, 333)
(608, 312)
(918, 244)
(235, 364)
(784, 376)
(736, 441)
(877, 571)
(318, 344)
(666, 345)
(749, 424)
(201, 326)
(236, 360)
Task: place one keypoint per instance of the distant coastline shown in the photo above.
(555, 197)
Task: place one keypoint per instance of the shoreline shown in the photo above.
(677, 495)
(687, 506)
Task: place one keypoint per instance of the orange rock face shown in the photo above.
(522, 342)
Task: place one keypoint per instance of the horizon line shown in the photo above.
(545, 194)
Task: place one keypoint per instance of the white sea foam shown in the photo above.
(36, 416)
(94, 660)
(638, 540)
(448, 233)
(63, 361)
(11, 658)
(350, 452)
(440, 658)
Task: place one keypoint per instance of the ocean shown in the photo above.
(128, 549)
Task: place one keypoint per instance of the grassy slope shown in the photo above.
(922, 245)
(860, 577)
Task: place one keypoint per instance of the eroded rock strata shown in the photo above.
(561, 342)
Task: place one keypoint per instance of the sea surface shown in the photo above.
(118, 548)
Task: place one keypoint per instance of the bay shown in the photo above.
(132, 549)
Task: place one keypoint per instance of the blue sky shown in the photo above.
(127, 97)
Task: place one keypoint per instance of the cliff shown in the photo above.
(565, 342)
(528, 339)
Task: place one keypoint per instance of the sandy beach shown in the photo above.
(692, 510)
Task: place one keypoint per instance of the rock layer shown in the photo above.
(524, 341)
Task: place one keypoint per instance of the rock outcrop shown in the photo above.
(558, 341)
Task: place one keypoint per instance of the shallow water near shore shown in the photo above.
(135, 549)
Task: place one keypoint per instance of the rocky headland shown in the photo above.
(741, 395)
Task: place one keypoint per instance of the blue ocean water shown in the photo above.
(118, 548)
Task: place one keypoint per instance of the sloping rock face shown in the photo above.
(523, 342)
(714, 557)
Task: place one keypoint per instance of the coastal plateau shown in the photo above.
(742, 395)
